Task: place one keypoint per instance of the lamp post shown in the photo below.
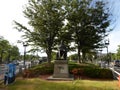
(106, 45)
(24, 45)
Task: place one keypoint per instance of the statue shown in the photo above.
(62, 53)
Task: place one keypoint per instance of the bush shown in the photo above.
(98, 73)
(41, 69)
(29, 74)
(90, 71)
(106, 74)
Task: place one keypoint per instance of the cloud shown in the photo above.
(114, 38)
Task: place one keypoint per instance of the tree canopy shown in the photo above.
(83, 22)
(88, 23)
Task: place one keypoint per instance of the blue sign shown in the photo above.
(10, 74)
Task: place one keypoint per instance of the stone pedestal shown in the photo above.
(61, 69)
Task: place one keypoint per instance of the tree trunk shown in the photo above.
(79, 57)
(49, 58)
(49, 55)
(84, 57)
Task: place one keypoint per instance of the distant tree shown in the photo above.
(118, 52)
(14, 51)
(73, 57)
(8, 51)
(4, 45)
(29, 57)
(114, 56)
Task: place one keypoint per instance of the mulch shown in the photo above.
(44, 77)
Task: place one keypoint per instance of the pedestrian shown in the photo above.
(6, 78)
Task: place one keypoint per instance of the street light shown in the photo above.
(24, 45)
(106, 45)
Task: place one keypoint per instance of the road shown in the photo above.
(116, 72)
(117, 69)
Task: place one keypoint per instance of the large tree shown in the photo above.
(88, 20)
(46, 18)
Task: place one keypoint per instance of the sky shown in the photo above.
(11, 10)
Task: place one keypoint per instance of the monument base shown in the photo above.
(60, 79)
(61, 69)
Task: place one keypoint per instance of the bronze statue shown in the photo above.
(62, 53)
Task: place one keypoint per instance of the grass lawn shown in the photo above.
(38, 84)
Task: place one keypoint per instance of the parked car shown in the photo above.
(117, 63)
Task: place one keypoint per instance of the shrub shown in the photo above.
(106, 74)
(38, 70)
(98, 73)
(90, 71)
(28, 74)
